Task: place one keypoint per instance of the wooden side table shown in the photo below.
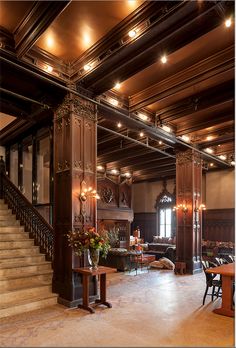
(88, 272)
(180, 267)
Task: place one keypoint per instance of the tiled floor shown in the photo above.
(151, 309)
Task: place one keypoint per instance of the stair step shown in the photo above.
(11, 229)
(3, 206)
(14, 269)
(28, 305)
(9, 217)
(5, 212)
(8, 223)
(13, 236)
(13, 296)
(32, 250)
(16, 244)
(25, 275)
(22, 260)
(25, 280)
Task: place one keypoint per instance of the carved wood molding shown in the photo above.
(81, 108)
(41, 15)
(165, 199)
(184, 157)
(84, 108)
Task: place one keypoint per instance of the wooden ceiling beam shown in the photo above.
(154, 176)
(171, 30)
(125, 161)
(151, 164)
(123, 153)
(198, 102)
(41, 15)
(193, 126)
(205, 74)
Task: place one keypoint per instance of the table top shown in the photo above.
(92, 272)
(226, 270)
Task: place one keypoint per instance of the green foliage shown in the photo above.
(88, 239)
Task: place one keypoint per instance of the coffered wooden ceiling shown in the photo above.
(48, 45)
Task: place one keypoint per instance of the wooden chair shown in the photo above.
(211, 282)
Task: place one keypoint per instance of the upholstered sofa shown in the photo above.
(161, 247)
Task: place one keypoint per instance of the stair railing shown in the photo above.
(34, 223)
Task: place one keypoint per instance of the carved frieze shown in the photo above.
(84, 108)
(188, 156)
(184, 157)
(106, 195)
(64, 108)
(78, 164)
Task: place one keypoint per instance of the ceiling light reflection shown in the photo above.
(228, 22)
(164, 59)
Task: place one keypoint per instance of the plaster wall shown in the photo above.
(220, 189)
(218, 192)
(144, 195)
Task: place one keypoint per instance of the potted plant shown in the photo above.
(89, 239)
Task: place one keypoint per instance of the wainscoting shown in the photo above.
(218, 224)
(147, 223)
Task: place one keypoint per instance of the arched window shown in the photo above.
(165, 216)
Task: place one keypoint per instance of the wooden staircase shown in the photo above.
(25, 276)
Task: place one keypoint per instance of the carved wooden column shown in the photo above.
(188, 202)
(74, 168)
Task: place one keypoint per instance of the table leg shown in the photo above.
(103, 290)
(85, 305)
(227, 297)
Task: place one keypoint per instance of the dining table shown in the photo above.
(227, 272)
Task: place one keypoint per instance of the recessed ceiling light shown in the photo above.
(209, 150)
(185, 138)
(132, 34)
(143, 117)
(166, 128)
(114, 102)
(160, 142)
(141, 134)
(114, 171)
(87, 67)
(209, 137)
(49, 68)
(117, 85)
(99, 167)
(219, 145)
(211, 164)
(163, 59)
(119, 125)
(222, 157)
(228, 23)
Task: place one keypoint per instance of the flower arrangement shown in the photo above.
(88, 239)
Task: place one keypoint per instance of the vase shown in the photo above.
(93, 258)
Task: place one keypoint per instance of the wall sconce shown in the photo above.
(182, 207)
(86, 193)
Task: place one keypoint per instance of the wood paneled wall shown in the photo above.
(147, 223)
(218, 225)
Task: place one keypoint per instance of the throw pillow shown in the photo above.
(167, 263)
(155, 239)
(156, 264)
